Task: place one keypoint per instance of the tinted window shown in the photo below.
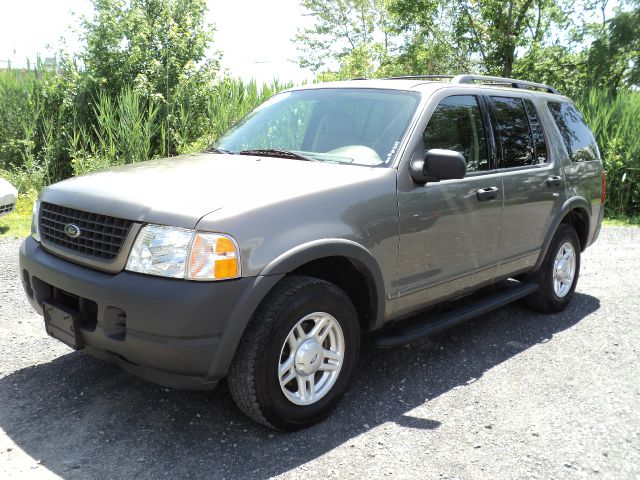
(576, 135)
(513, 133)
(538, 133)
(456, 124)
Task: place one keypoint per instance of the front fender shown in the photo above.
(275, 271)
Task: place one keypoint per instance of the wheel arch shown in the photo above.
(356, 264)
(575, 212)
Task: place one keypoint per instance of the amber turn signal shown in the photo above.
(213, 257)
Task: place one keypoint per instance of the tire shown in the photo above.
(272, 343)
(550, 296)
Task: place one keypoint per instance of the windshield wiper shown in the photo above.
(219, 150)
(275, 152)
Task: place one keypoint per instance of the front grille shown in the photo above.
(6, 208)
(101, 237)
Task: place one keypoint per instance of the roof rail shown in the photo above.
(419, 77)
(508, 82)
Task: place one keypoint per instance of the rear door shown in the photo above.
(532, 179)
(449, 231)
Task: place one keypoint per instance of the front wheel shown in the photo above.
(296, 357)
(557, 277)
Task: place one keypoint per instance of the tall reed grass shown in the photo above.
(21, 107)
(51, 129)
(48, 133)
(615, 122)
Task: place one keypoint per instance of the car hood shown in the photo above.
(180, 191)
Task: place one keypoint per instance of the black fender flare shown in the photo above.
(571, 204)
(336, 247)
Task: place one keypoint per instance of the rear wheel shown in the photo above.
(296, 357)
(557, 277)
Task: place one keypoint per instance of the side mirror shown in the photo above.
(444, 165)
(436, 165)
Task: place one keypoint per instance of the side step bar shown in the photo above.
(432, 325)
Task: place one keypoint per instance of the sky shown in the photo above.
(254, 35)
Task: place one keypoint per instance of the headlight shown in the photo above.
(183, 253)
(35, 213)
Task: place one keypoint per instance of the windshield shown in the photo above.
(347, 125)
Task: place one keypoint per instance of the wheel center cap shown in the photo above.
(308, 357)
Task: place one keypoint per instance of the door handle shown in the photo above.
(488, 193)
(554, 181)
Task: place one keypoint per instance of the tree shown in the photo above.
(352, 35)
(497, 29)
(429, 43)
(490, 29)
(159, 47)
(614, 56)
(555, 65)
(151, 44)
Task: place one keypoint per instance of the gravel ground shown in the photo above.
(512, 395)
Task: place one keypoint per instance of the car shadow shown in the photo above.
(80, 417)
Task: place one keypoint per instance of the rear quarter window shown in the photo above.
(577, 137)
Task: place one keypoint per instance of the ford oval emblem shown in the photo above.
(72, 231)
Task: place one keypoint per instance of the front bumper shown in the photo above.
(173, 332)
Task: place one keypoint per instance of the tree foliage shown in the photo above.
(141, 88)
(429, 40)
(495, 28)
(543, 40)
(352, 36)
(614, 57)
(153, 45)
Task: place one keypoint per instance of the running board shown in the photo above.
(432, 325)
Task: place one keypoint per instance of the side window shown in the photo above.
(537, 131)
(456, 124)
(576, 135)
(515, 137)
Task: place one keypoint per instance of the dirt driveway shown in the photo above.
(512, 395)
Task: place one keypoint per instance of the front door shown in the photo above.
(450, 230)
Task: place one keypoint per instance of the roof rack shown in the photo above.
(501, 81)
(419, 77)
(465, 78)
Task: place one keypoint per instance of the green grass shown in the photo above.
(622, 221)
(18, 223)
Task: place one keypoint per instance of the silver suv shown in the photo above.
(331, 210)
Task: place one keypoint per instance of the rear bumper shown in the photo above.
(173, 332)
